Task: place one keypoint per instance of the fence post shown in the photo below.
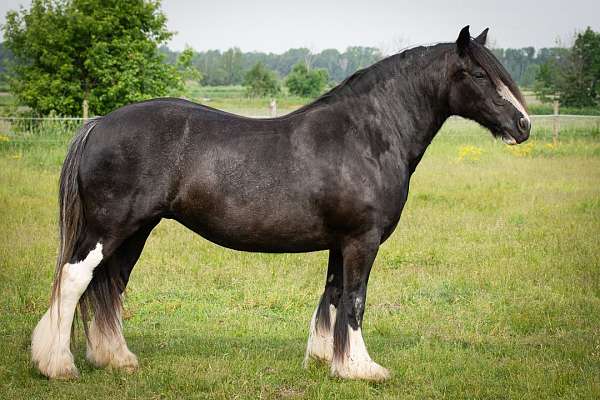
(85, 110)
(273, 107)
(556, 124)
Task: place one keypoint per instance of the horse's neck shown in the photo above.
(425, 114)
(412, 107)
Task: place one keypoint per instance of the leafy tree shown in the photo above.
(546, 82)
(232, 65)
(306, 83)
(187, 71)
(5, 58)
(211, 65)
(102, 51)
(329, 59)
(261, 82)
(581, 85)
(576, 75)
(357, 57)
(528, 77)
(290, 58)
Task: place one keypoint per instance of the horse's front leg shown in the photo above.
(350, 357)
(320, 336)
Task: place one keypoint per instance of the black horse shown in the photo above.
(333, 175)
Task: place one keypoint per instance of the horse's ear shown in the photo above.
(481, 39)
(463, 41)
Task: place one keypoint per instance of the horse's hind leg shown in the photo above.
(320, 336)
(106, 346)
(50, 344)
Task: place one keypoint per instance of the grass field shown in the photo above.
(488, 289)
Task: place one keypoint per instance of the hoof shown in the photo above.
(368, 371)
(50, 355)
(126, 361)
(61, 368)
(320, 350)
(67, 375)
(321, 358)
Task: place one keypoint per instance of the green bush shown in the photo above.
(306, 83)
(261, 82)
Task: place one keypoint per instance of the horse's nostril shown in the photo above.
(524, 125)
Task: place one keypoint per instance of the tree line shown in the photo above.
(229, 67)
(106, 53)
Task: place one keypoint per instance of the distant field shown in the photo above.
(488, 289)
(233, 99)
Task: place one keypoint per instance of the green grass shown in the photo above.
(488, 289)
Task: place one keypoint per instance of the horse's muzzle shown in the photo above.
(524, 128)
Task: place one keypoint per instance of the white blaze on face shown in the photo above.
(507, 95)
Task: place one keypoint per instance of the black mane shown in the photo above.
(365, 79)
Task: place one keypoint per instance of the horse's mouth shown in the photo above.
(508, 138)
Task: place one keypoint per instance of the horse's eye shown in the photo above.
(479, 75)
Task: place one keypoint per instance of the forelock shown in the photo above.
(496, 71)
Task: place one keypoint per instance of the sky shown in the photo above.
(277, 25)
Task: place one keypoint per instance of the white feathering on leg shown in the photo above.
(320, 342)
(110, 349)
(51, 338)
(356, 362)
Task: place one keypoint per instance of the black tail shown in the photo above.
(71, 218)
(103, 294)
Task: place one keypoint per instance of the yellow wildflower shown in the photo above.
(469, 153)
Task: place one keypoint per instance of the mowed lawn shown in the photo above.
(489, 288)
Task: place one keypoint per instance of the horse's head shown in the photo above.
(482, 90)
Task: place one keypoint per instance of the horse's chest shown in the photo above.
(392, 204)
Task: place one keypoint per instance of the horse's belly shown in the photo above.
(259, 229)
